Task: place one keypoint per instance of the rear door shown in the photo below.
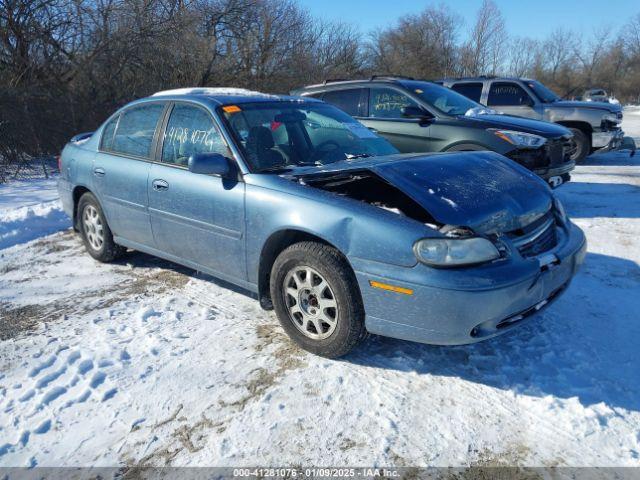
(121, 169)
(385, 116)
(471, 90)
(198, 218)
(512, 99)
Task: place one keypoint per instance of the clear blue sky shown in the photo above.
(533, 18)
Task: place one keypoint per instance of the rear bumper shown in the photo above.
(505, 297)
(66, 196)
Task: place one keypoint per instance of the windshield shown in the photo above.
(280, 135)
(544, 94)
(441, 98)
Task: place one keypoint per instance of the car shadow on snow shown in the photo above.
(615, 158)
(142, 262)
(584, 345)
(588, 200)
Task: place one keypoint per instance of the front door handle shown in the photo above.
(160, 185)
(99, 172)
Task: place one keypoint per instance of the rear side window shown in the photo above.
(134, 130)
(190, 130)
(469, 90)
(349, 101)
(507, 93)
(388, 103)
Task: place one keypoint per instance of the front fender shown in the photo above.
(358, 230)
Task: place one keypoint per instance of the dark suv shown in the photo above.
(420, 116)
(595, 125)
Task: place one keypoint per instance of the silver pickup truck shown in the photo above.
(595, 125)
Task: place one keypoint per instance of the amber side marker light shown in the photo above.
(231, 109)
(390, 288)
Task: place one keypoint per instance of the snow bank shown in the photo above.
(29, 210)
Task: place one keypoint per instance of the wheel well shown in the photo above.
(466, 147)
(275, 244)
(77, 193)
(582, 126)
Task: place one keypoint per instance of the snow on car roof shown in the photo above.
(214, 91)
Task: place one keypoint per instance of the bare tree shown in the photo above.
(483, 51)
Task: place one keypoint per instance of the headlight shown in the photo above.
(452, 252)
(520, 138)
(560, 209)
(611, 117)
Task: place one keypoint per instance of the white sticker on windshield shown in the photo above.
(360, 130)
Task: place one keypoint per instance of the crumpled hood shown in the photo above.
(609, 107)
(480, 190)
(520, 124)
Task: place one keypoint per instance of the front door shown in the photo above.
(385, 116)
(512, 99)
(198, 218)
(121, 168)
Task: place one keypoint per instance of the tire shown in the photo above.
(95, 232)
(582, 145)
(310, 304)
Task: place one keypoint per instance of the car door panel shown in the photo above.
(199, 218)
(121, 169)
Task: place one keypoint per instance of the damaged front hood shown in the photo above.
(609, 107)
(480, 190)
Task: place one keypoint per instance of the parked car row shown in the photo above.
(323, 219)
(420, 116)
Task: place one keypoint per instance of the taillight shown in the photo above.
(59, 159)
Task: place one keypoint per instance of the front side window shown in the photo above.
(544, 94)
(469, 90)
(276, 135)
(349, 101)
(507, 94)
(135, 129)
(388, 103)
(190, 130)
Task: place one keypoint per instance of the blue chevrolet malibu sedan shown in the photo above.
(292, 199)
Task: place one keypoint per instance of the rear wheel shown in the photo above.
(580, 145)
(317, 300)
(96, 234)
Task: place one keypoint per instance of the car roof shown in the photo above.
(227, 95)
(394, 79)
(483, 78)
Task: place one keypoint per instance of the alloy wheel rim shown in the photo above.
(93, 228)
(310, 302)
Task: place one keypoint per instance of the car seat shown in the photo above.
(260, 148)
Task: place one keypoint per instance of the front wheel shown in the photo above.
(96, 234)
(317, 300)
(580, 145)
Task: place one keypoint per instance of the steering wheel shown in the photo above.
(322, 149)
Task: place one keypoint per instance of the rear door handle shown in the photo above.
(160, 185)
(99, 172)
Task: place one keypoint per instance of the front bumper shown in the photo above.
(550, 162)
(461, 306)
(607, 140)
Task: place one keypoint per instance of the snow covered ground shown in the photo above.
(146, 362)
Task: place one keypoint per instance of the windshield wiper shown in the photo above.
(351, 156)
(281, 167)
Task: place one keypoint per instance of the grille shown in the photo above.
(536, 238)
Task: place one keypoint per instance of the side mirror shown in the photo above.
(411, 111)
(209, 164)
